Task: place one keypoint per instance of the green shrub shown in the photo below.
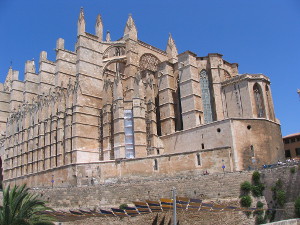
(293, 169)
(279, 184)
(246, 201)
(256, 177)
(123, 206)
(270, 215)
(260, 219)
(246, 187)
(259, 205)
(257, 190)
(281, 197)
(297, 207)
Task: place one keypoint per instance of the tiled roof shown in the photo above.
(292, 135)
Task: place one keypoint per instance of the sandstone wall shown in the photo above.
(213, 187)
(105, 172)
(262, 145)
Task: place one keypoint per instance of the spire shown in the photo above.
(99, 28)
(172, 50)
(107, 36)
(130, 29)
(81, 23)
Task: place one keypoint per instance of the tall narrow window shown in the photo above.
(269, 102)
(259, 102)
(206, 101)
(158, 124)
(129, 136)
(101, 135)
(198, 159)
(177, 108)
(155, 167)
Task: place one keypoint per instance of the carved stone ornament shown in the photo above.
(149, 62)
(107, 83)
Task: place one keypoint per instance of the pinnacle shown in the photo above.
(130, 28)
(171, 48)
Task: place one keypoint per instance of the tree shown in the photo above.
(22, 208)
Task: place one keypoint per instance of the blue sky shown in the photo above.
(263, 36)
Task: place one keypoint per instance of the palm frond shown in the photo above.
(21, 208)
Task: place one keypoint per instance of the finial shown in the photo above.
(107, 35)
(81, 15)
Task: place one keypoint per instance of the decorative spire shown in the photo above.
(172, 50)
(130, 29)
(99, 28)
(107, 36)
(81, 23)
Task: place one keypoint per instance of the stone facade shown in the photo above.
(124, 108)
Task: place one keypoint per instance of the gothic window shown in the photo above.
(226, 75)
(158, 123)
(177, 106)
(114, 51)
(259, 102)
(129, 135)
(206, 101)
(269, 102)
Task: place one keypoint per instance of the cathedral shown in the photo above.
(124, 108)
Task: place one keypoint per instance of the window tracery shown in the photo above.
(149, 62)
(114, 51)
(259, 102)
(206, 99)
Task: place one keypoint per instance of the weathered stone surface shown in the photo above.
(134, 111)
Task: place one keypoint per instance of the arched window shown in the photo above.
(206, 101)
(259, 101)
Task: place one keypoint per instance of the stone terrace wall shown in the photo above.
(193, 185)
(120, 191)
(98, 173)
